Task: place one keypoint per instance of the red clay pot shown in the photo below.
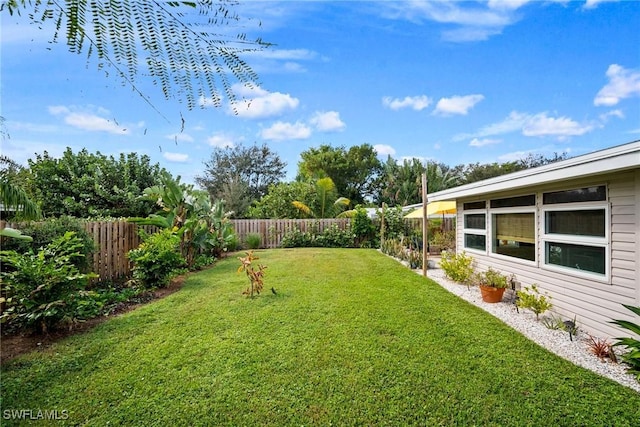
(490, 294)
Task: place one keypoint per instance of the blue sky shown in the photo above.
(449, 81)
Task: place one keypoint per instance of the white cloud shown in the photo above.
(384, 150)
(281, 131)
(613, 113)
(542, 125)
(284, 54)
(175, 157)
(86, 119)
(180, 137)
(257, 103)
(328, 121)
(221, 140)
(475, 142)
(623, 83)
(471, 21)
(457, 105)
(592, 4)
(531, 125)
(417, 103)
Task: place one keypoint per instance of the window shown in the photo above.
(576, 230)
(513, 227)
(475, 226)
(513, 234)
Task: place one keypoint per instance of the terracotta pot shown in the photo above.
(490, 294)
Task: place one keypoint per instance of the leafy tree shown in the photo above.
(241, 174)
(277, 203)
(354, 171)
(84, 184)
(473, 172)
(182, 52)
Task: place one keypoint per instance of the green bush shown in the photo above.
(530, 298)
(157, 260)
(457, 267)
(42, 290)
(295, 238)
(45, 232)
(334, 237)
(253, 240)
(363, 229)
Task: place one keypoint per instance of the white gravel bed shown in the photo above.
(524, 321)
(556, 341)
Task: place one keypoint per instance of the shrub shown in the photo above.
(157, 260)
(45, 232)
(362, 228)
(530, 298)
(253, 240)
(492, 278)
(632, 357)
(334, 237)
(295, 238)
(42, 290)
(457, 267)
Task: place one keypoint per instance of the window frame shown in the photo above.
(532, 209)
(475, 231)
(581, 240)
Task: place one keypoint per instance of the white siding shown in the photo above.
(594, 303)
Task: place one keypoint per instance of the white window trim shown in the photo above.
(594, 241)
(519, 209)
(476, 231)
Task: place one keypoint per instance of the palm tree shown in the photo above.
(12, 196)
(326, 192)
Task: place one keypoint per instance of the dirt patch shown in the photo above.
(15, 345)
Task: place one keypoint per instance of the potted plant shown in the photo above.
(492, 285)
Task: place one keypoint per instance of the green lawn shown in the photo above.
(351, 338)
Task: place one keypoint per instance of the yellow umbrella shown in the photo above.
(435, 208)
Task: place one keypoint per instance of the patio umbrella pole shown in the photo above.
(425, 227)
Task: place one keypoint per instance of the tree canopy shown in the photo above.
(86, 185)
(240, 175)
(355, 171)
(180, 50)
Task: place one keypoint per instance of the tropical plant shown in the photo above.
(632, 357)
(457, 267)
(203, 228)
(13, 197)
(188, 53)
(601, 348)
(329, 203)
(44, 289)
(531, 299)
(254, 273)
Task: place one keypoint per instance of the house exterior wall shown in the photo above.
(594, 303)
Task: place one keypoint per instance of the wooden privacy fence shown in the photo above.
(113, 240)
(271, 231)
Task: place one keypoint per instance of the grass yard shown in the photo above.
(351, 338)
